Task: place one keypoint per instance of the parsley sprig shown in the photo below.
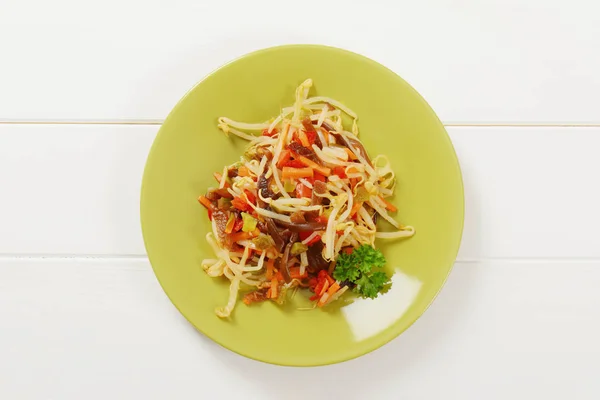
(361, 268)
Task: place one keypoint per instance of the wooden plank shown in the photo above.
(74, 189)
(99, 329)
(494, 61)
(529, 192)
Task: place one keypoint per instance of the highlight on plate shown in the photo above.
(299, 210)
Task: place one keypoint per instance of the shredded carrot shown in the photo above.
(339, 171)
(250, 196)
(224, 193)
(284, 157)
(236, 237)
(330, 280)
(294, 173)
(322, 219)
(206, 203)
(295, 273)
(351, 155)
(240, 204)
(243, 171)
(303, 139)
(253, 297)
(327, 295)
(389, 206)
(319, 168)
(355, 208)
(268, 293)
(218, 177)
(274, 288)
(319, 177)
(270, 266)
(323, 300)
(333, 288)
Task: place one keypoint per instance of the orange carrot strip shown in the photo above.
(333, 288)
(270, 266)
(303, 139)
(236, 237)
(294, 173)
(284, 157)
(355, 208)
(224, 193)
(295, 273)
(323, 300)
(243, 171)
(330, 280)
(310, 163)
(351, 155)
(206, 203)
(218, 177)
(278, 277)
(274, 288)
(389, 206)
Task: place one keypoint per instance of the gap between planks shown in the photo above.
(138, 257)
(447, 124)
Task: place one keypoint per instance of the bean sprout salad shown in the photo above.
(300, 208)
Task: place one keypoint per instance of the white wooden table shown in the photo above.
(84, 87)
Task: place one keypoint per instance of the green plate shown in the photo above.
(393, 120)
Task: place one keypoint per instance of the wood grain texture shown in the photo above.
(100, 329)
(74, 189)
(494, 61)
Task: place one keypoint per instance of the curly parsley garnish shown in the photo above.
(361, 268)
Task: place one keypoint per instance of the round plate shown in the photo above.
(393, 119)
